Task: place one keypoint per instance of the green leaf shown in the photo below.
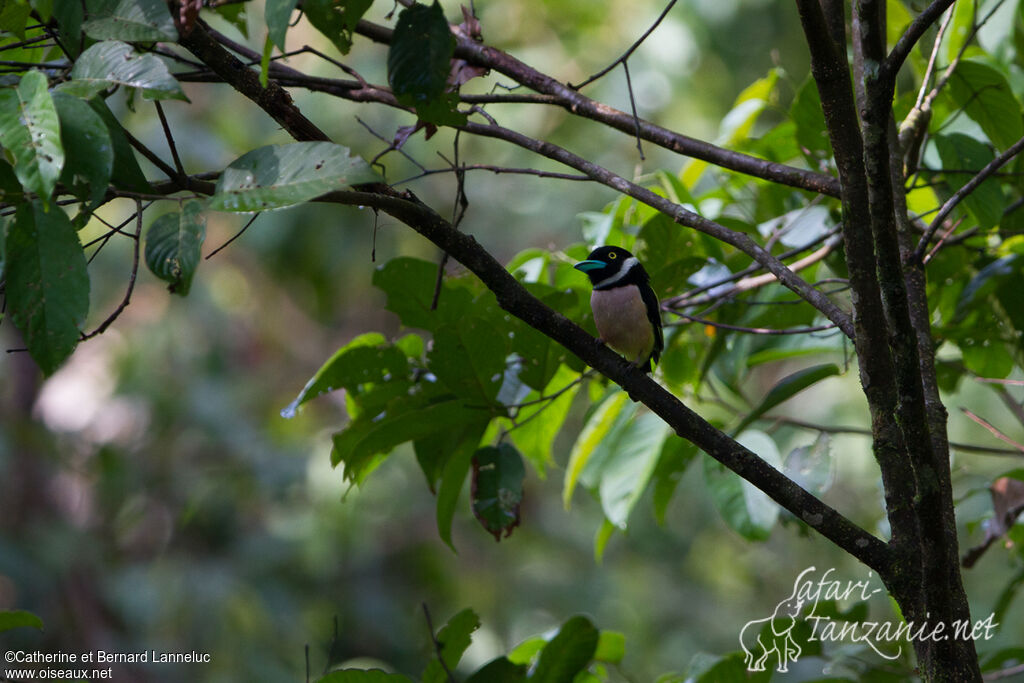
(806, 113)
(419, 61)
(469, 358)
(676, 456)
(278, 15)
(453, 475)
(986, 97)
(112, 63)
(18, 618)
(499, 670)
(626, 473)
(236, 15)
(788, 387)
(747, 510)
(812, 466)
(336, 19)
(364, 359)
(498, 475)
(14, 16)
(537, 425)
(996, 275)
(525, 652)
(611, 647)
(126, 175)
(47, 283)
(69, 16)
(363, 676)
(964, 156)
(358, 444)
(277, 176)
(568, 653)
(173, 244)
(409, 284)
(130, 20)
(593, 442)
(30, 131)
(88, 148)
(453, 640)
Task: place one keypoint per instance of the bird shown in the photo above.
(626, 310)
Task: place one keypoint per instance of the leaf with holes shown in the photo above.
(130, 20)
(112, 63)
(277, 176)
(498, 474)
(47, 282)
(30, 131)
(173, 242)
(88, 147)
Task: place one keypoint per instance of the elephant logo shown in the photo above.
(778, 640)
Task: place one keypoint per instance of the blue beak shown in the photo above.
(589, 265)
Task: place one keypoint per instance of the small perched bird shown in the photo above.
(625, 307)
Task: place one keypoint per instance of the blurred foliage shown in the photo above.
(152, 496)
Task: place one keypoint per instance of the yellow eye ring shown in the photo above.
(613, 255)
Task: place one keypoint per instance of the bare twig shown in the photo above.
(753, 330)
(901, 50)
(994, 431)
(233, 237)
(170, 140)
(621, 59)
(131, 278)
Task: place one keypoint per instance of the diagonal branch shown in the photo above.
(581, 105)
(515, 299)
(901, 50)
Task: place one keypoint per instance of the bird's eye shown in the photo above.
(613, 255)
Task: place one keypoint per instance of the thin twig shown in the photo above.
(437, 644)
(497, 170)
(632, 106)
(233, 238)
(994, 431)
(131, 278)
(621, 59)
(961, 194)
(170, 139)
(752, 330)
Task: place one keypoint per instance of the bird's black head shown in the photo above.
(610, 266)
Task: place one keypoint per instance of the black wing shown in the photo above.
(654, 315)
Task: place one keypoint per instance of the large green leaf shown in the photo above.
(419, 61)
(112, 63)
(568, 653)
(30, 131)
(278, 15)
(14, 16)
(469, 358)
(126, 174)
(746, 509)
(130, 21)
(47, 282)
(409, 284)
(69, 16)
(996, 275)
(964, 156)
(498, 475)
(987, 98)
(358, 445)
(364, 359)
(594, 445)
(89, 151)
(788, 387)
(676, 456)
(173, 244)
(452, 640)
(626, 473)
(277, 176)
(453, 475)
(336, 19)
(18, 618)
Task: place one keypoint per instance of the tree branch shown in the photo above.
(581, 105)
(901, 50)
(515, 299)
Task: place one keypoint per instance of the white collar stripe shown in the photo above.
(627, 266)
